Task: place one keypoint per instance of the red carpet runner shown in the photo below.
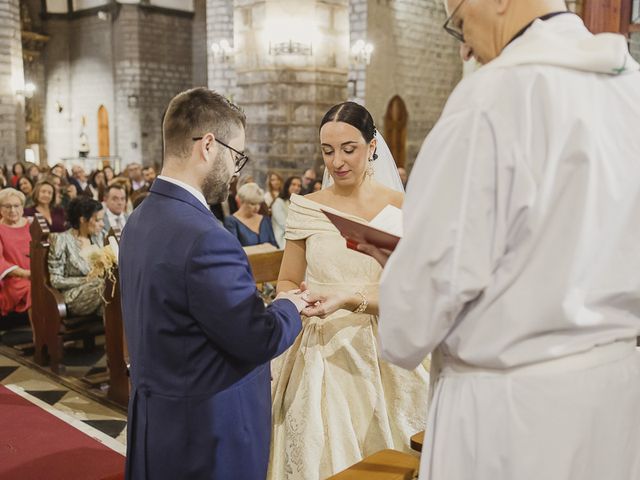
(36, 445)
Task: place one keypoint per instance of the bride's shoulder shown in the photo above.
(304, 205)
(320, 196)
(389, 195)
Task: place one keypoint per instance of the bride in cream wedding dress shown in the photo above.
(334, 400)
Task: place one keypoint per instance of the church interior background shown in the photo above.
(86, 81)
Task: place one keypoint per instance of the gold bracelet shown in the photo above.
(363, 305)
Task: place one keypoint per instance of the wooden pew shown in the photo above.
(384, 465)
(265, 266)
(115, 342)
(417, 441)
(50, 320)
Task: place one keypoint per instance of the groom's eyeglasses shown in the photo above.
(241, 159)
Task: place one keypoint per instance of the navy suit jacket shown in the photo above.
(200, 339)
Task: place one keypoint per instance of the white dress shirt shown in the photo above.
(193, 191)
(113, 219)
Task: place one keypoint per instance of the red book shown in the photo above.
(357, 232)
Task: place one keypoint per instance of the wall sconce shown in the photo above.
(291, 48)
(132, 101)
(24, 89)
(361, 52)
(222, 50)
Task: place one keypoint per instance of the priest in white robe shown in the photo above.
(520, 261)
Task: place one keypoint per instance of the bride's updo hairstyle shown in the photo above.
(355, 115)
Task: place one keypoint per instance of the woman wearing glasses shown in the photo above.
(15, 270)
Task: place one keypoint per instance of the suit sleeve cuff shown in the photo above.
(287, 306)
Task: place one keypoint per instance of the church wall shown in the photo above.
(79, 69)
(413, 58)
(166, 69)
(358, 11)
(132, 63)
(634, 46)
(12, 137)
(153, 52)
(285, 96)
(220, 26)
(200, 43)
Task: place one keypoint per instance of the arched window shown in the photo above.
(103, 132)
(395, 129)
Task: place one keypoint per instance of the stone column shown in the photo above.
(200, 43)
(413, 58)
(153, 52)
(12, 131)
(291, 63)
(220, 65)
(358, 31)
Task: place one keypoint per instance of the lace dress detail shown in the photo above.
(334, 400)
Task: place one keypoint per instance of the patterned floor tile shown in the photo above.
(49, 396)
(113, 428)
(80, 407)
(7, 370)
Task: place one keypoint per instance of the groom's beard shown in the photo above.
(215, 187)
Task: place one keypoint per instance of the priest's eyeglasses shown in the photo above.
(451, 27)
(240, 158)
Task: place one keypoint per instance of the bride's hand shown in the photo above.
(324, 305)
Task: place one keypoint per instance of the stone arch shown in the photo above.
(103, 132)
(395, 129)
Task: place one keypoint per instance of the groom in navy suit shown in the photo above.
(200, 338)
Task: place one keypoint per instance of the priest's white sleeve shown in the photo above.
(444, 259)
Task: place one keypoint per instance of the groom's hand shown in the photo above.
(294, 296)
(380, 254)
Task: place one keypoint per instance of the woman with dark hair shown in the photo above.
(109, 174)
(44, 202)
(97, 185)
(335, 401)
(60, 170)
(25, 185)
(33, 172)
(68, 254)
(280, 207)
(17, 171)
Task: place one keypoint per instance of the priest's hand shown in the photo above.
(380, 254)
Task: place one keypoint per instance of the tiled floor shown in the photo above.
(88, 411)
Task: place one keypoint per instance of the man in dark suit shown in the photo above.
(200, 338)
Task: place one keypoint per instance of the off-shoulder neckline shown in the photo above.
(322, 206)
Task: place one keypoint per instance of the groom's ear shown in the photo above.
(208, 146)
